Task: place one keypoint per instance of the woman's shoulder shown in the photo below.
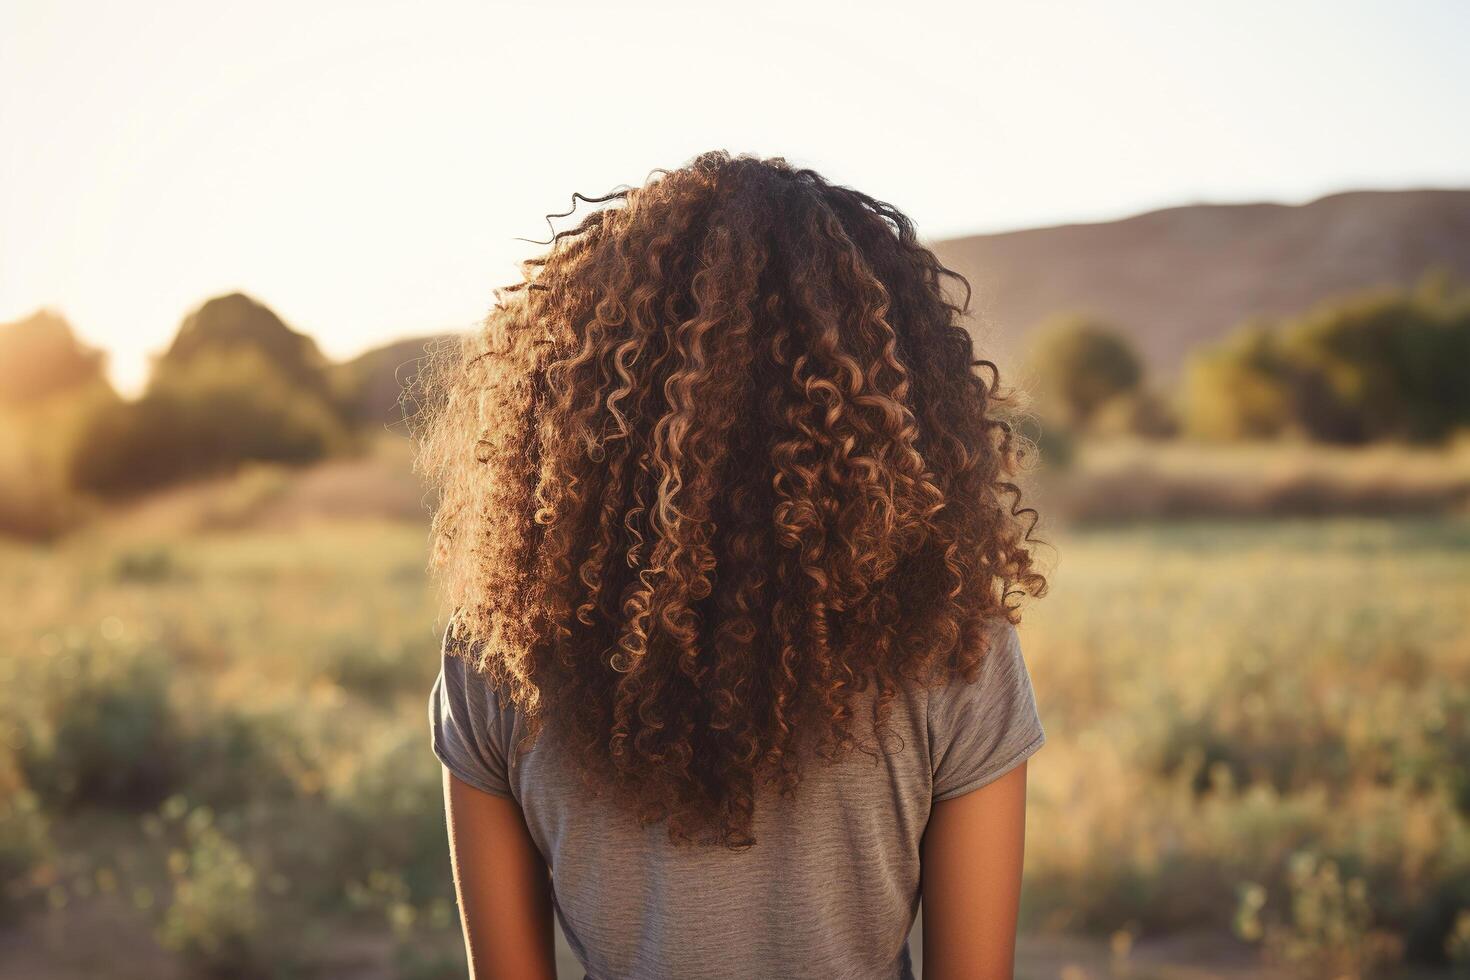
(472, 726)
(981, 727)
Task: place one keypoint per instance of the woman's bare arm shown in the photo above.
(972, 881)
(503, 887)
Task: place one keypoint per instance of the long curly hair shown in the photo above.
(722, 462)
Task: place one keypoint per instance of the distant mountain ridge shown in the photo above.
(1172, 280)
(1178, 278)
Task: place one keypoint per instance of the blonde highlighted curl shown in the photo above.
(721, 463)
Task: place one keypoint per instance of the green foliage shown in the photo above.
(214, 918)
(36, 441)
(1080, 364)
(1135, 413)
(1240, 390)
(393, 857)
(24, 844)
(1388, 365)
(233, 325)
(206, 417)
(152, 563)
(372, 668)
(103, 732)
(1329, 931)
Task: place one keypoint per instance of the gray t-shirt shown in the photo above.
(830, 888)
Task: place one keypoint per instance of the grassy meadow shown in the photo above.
(214, 754)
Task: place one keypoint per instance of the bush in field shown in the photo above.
(390, 852)
(1078, 364)
(103, 732)
(1242, 389)
(374, 669)
(24, 844)
(1328, 931)
(35, 501)
(217, 410)
(214, 917)
(1388, 365)
(149, 564)
(232, 759)
(391, 824)
(1136, 413)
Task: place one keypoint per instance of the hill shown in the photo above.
(1180, 277)
(369, 386)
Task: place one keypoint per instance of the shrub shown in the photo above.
(214, 918)
(147, 564)
(1394, 364)
(374, 669)
(1240, 390)
(232, 759)
(232, 326)
(391, 821)
(1329, 932)
(103, 732)
(1078, 364)
(24, 844)
(207, 416)
(1135, 413)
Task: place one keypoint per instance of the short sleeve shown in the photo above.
(470, 732)
(981, 730)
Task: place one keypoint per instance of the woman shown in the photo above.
(726, 518)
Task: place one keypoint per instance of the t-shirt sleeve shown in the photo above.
(981, 730)
(470, 732)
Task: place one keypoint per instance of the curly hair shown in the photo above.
(721, 462)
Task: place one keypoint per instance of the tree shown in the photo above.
(236, 323)
(1391, 364)
(220, 411)
(40, 357)
(1242, 389)
(1078, 364)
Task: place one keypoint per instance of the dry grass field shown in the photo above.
(214, 755)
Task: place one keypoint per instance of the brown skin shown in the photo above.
(503, 886)
(971, 857)
(972, 853)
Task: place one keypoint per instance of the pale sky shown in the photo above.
(364, 167)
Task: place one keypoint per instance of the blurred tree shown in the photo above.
(1078, 364)
(49, 384)
(236, 385)
(1389, 365)
(1136, 413)
(1392, 364)
(1241, 389)
(224, 409)
(236, 323)
(40, 357)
